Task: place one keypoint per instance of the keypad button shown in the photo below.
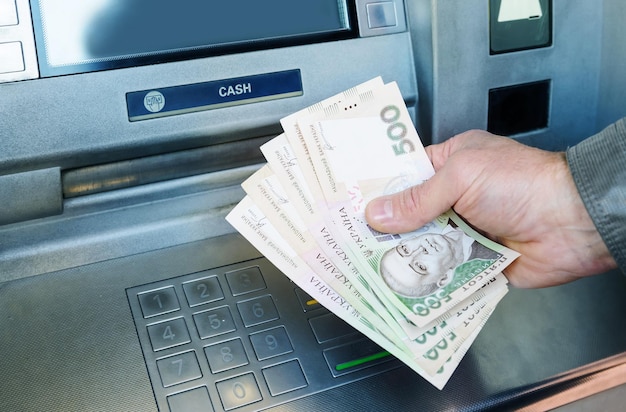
(329, 326)
(239, 391)
(258, 310)
(285, 377)
(179, 368)
(306, 301)
(381, 14)
(11, 57)
(158, 302)
(245, 281)
(214, 322)
(168, 334)
(8, 13)
(203, 291)
(226, 355)
(195, 400)
(270, 343)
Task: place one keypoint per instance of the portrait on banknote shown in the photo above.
(432, 260)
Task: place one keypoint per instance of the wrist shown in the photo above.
(577, 227)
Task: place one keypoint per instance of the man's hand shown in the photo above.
(519, 196)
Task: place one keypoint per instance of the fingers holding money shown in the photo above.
(414, 207)
(410, 209)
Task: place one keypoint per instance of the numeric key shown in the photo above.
(168, 334)
(214, 322)
(158, 302)
(203, 291)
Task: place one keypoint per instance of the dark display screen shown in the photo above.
(80, 36)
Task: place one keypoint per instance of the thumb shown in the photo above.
(414, 207)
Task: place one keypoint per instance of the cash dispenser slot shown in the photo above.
(519, 108)
(159, 168)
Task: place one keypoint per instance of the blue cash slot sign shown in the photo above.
(170, 101)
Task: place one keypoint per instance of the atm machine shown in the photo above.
(127, 128)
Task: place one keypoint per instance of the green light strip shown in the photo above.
(361, 361)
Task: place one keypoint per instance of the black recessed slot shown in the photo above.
(519, 109)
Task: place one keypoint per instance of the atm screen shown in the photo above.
(74, 36)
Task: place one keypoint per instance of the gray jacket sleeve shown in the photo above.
(598, 165)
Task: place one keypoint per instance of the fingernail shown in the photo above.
(381, 210)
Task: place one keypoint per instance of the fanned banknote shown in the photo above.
(266, 192)
(423, 296)
(423, 273)
(251, 223)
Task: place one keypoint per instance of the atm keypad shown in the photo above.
(242, 338)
